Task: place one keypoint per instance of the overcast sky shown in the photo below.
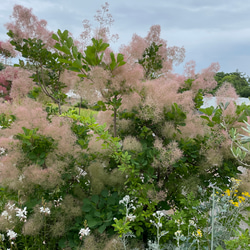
(209, 30)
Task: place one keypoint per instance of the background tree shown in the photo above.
(237, 79)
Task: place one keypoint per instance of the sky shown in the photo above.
(209, 30)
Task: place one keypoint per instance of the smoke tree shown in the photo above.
(24, 24)
(151, 142)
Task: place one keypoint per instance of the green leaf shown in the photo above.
(64, 61)
(65, 49)
(111, 200)
(43, 155)
(208, 111)
(97, 214)
(102, 228)
(109, 216)
(77, 64)
(219, 248)
(86, 208)
(103, 47)
(93, 222)
(95, 199)
(113, 62)
(64, 35)
(74, 52)
(105, 193)
(69, 42)
(55, 37)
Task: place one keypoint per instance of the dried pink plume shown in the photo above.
(26, 25)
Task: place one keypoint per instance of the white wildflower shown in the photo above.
(160, 214)
(131, 217)
(21, 214)
(12, 235)
(11, 206)
(84, 232)
(57, 202)
(87, 183)
(21, 177)
(125, 200)
(179, 222)
(81, 173)
(159, 224)
(6, 215)
(178, 233)
(2, 150)
(191, 223)
(142, 178)
(45, 210)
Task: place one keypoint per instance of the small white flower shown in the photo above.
(142, 178)
(57, 202)
(11, 206)
(191, 223)
(12, 235)
(160, 213)
(2, 150)
(22, 214)
(178, 233)
(84, 232)
(21, 177)
(179, 222)
(131, 217)
(125, 200)
(45, 210)
(81, 173)
(5, 214)
(159, 224)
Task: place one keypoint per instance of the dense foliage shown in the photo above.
(239, 81)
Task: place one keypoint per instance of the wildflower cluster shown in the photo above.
(157, 222)
(45, 210)
(178, 234)
(128, 203)
(20, 213)
(57, 202)
(123, 225)
(232, 197)
(81, 173)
